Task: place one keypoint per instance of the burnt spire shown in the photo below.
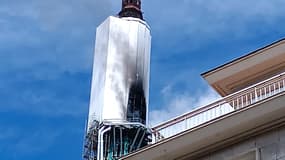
(131, 8)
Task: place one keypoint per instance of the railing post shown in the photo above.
(185, 119)
(221, 112)
(242, 102)
(279, 86)
(274, 88)
(255, 93)
(283, 82)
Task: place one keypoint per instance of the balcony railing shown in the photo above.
(241, 99)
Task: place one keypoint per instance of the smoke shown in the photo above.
(127, 60)
(123, 69)
(180, 103)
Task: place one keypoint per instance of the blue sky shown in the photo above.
(46, 54)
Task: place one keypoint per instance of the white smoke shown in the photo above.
(178, 104)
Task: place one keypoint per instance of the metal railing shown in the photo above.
(228, 104)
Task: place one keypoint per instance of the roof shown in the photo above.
(248, 69)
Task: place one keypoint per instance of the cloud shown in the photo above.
(56, 14)
(197, 23)
(176, 104)
(46, 54)
(55, 33)
(204, 16)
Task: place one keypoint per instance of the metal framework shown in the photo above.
(111, 140)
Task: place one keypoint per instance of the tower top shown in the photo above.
(131, 8)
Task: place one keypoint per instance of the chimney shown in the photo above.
(131, 8)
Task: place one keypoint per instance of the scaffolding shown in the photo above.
(110, 140)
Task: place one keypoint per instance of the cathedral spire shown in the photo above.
(131, 8)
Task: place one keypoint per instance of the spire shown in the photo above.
(131, 8)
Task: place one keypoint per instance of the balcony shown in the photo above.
(225, 106)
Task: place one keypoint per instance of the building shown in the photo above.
(117, 121)
(248, 123)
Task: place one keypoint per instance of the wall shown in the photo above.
(270, 146)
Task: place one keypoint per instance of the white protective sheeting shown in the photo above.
(122, 55)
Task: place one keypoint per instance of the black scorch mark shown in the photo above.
(136, 111)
